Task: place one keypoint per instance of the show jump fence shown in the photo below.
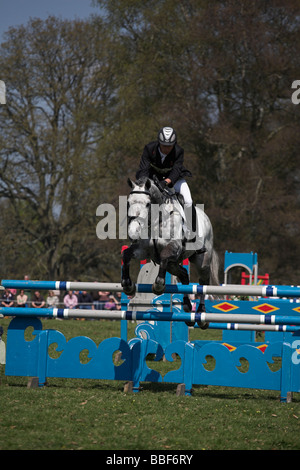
(279, 318)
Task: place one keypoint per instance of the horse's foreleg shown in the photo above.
(128, 286)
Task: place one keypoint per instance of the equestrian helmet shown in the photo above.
(167, 136)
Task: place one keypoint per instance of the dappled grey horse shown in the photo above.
(158, 231)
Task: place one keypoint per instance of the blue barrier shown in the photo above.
(32, 358)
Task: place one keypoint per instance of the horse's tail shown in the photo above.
(214, 269)
(214, 273)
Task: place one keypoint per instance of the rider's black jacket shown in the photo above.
(172, 167)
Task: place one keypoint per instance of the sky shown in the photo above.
(17, 12)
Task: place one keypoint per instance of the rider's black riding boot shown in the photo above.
(191, 222)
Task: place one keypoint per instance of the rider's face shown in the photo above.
(166, 148)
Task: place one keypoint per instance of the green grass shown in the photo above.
(92, 414)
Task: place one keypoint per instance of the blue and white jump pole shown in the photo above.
(152, 315)
(228, 289)
(282, 323)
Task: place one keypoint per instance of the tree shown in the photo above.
(60, 92)
(221, 73)
(91, 94)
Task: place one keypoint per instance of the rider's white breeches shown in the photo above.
(182, 188)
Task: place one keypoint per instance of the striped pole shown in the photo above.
(122, 315)
(228, 289)
(152, 315)
(251, 327)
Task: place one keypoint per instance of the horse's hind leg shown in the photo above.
(168, 254)
(202, 262)
(183, 276)
(181, 273)
(159, 284)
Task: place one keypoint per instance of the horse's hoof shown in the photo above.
(129, 289)
(158, 289)
(203, 325)
(190, 323)
(187, 305)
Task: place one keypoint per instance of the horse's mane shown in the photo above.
(141, 181)
(154, 190)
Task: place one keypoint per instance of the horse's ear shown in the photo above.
(148, 184)
(130, 183)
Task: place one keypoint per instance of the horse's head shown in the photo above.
(139, 203)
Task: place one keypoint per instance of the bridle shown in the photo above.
(140, 220)
(135, 191)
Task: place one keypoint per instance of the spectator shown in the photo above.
(112, 303)
(117, 297)
(99, 300)
(85, 300)
(22, 299)
(104, 298)
(27, 292)
(38, 301)
(70, 300)
(96, 299)
(7, 299)
(52, 299)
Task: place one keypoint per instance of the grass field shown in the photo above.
(94, 415)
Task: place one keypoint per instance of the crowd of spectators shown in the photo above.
(96, 300)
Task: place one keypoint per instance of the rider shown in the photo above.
(164, 158)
